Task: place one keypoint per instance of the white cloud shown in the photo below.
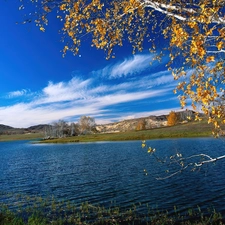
(117, 98)
(18, 93)
(136, 64)
(65, 91)
(134, 115)
(130, 66)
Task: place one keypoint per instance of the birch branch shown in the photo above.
(164, 8)
(210, 160)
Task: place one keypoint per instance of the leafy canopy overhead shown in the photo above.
(194, 30)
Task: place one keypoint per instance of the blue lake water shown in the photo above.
(106, 172)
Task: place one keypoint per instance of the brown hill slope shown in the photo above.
(144, 123)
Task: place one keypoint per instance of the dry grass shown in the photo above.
(15, 137)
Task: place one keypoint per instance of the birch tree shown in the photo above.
(86, 124)
(74, 129)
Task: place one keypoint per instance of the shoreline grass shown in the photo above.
(43, 211)
(20, 137)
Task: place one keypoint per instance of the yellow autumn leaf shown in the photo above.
(210, 59)
(62, 7)
(65, 49)
(42, 29)
(46, 9)
(219, 66)
(219, 45)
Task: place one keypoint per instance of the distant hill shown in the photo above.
(4, 129)
(39, 127)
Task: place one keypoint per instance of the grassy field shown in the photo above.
(192, 129)
(15, 137)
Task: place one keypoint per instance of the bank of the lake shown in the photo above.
(188, 130)
(18, 137)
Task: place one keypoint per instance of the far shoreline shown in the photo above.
(188, 130)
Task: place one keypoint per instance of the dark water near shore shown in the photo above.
(106, 172)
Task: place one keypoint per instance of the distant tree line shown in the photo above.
(85, 125)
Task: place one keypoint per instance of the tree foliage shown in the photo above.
(141, 125)
(61, 128)
(86, 124)
(194, 30)
(172, 119)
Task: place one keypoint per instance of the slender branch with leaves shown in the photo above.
(178, 163)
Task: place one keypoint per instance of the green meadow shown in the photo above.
(17, 137)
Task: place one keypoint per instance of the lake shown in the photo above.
(106, 172)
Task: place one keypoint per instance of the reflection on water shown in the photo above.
(101, 173)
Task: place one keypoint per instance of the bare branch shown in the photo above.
(181, 162)
(210, 161)
(175, 173)
(159, 7)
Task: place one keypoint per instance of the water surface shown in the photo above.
(106, 172)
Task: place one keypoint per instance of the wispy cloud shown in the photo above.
(134, 115)
(129, 66)
(15, 94)
(134, 65)
(65, 91)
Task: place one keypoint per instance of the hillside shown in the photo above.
(8, 133)
(144, 123)
(7, 130)
(4, 127)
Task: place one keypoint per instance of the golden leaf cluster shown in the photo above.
(172, 119)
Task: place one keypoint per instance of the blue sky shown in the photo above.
(39, 86)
